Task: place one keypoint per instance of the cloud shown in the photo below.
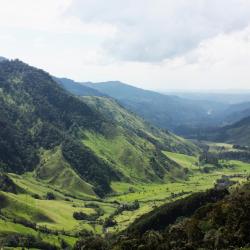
(155, 44)
(153, 30)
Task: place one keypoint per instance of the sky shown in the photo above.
(153, 44)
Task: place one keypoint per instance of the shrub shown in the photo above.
(50, 196)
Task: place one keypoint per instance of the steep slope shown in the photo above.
(189, 115)
(136, 148)
(45, 129)
(133, 123)
(37, 113)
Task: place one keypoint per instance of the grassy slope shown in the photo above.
(54, 170)
(132, 122)
(134, 144)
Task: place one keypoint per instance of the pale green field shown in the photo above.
(184, 160)
(152, 195)
(58, 214)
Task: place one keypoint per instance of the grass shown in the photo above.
(54, 170)
(184, 160)
(126, 156)
(54, 214)
(153, 195)
(7, 228)
(58, 214)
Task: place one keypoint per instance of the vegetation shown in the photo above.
(39, 118)
(165, 111)
(78, 172)
(220, 223)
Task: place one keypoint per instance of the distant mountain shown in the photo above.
(191, 118)
(2, 58)
(236, 112)
(237, 133)
(165, 111)
(76, 88)
(63, 139)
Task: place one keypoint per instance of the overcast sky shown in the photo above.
(154, 44)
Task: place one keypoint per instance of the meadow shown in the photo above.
(57, 215)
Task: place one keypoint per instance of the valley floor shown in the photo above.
(54, 218)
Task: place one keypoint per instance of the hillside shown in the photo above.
(189, 115)
(237, 133)
(45, 129)
(210, 220)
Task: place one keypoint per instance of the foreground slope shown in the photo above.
(210, 220)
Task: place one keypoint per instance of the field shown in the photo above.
(57, 215)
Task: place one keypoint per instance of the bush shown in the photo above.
(50, 196)
(36, 196)
(29, 241)
(109, 222)
(82, 216)
(91, 243)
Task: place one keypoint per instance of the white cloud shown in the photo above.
(157, 44)
(152, 30)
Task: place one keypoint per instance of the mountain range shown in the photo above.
(80, 159)
(192, 118)
(91, 141)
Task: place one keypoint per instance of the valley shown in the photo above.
(124, 125)
(50, 217)
(76, 165)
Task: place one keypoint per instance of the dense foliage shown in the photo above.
(218, 225)
(37, 113)
(167, 214)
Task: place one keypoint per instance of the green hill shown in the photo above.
(237, 133)
(136, 147)
(74, 144)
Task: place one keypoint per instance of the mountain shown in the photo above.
(71, 143)
(76, 88)
(165, 111)
(2, 58)
(236, 112)
(237, 133)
